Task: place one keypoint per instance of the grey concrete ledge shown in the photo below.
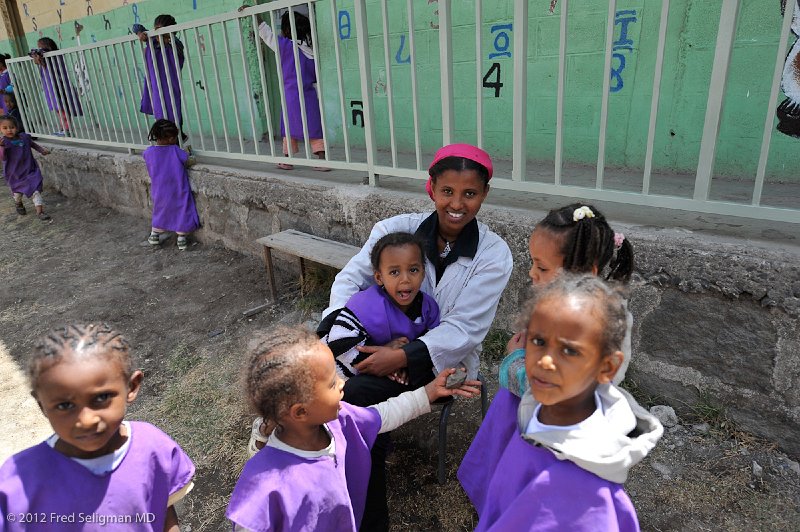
(716, 301)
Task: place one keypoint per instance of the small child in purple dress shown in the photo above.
(392, 310)
(98, 471)
(308, 76)
(313, 472)
(173, 203)
(556, 458)
(58, 91)
(20, 168)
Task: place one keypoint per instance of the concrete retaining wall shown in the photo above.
(716, 320)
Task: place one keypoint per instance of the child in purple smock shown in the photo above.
(556, 458)
(313, 472)
(173, 203)
(98, 471)
(58, 91)
(5, 79)
(392, 310)
(20, 169)
(285, 46)
(162, 92)
(10, 101)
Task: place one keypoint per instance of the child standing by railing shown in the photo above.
(308, 76)
(58, 91)
(173, 203)
(20, 168)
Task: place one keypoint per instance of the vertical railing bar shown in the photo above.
(178, 107)
(59, 89)
(106, 109)
(144, 49)
(766, 139)
(84, 127)
(265, 93)
(520, 132)
(43, 114)
(446, 69)
(388, 64)
(716, 95)
(287, 130)
(14, 76)
(136, 116)
(562, 71)
(311, 18)
(157, 71)
(54, 122)
(120, 94)
(412, 48)
(107, 94)
(188, 62)
(208, 90)
(177, 114)
(248, 87)
(651, 128)
(366, 86)
(226, 47)
(91, 108)
(338, 54)
(479, 72)
(215, 72)
(299, 75)
(609, 50)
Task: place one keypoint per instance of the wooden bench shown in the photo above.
(305, 247)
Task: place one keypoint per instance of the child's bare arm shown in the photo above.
(40, 149)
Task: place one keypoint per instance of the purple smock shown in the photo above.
(44, 483)
(309, 77)
(58, 91)
(152, 106)
(516, 485)
(384, 321)
(20, 169)
(173, 203)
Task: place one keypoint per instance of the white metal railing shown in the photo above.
(221, 62)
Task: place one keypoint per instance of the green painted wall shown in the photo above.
(687, 69)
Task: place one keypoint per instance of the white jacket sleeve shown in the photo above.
(397, 411)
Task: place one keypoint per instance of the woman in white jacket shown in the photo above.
(467, 268)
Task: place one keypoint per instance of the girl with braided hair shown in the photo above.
(574, 238)
(97, 468)
(313, 472)
(173, 203)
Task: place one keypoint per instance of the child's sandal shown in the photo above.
(21, 209)
(182, 243)
(43, 216)
(256, 436)
(285, 166)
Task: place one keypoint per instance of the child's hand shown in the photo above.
(516, 342)
(142, 36)
(397, 343)
(45, 151)
(401, 376)
(436, 388)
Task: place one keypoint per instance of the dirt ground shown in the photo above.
(183, 312)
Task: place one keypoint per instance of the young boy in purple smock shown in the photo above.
(392, 310)
(162, 92)
(308, 76)
(556, 458)
(313, 472)
(173, 203)
(20, 169)
(98, 471)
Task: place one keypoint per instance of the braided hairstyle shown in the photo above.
(395, 240)
(609, 299)
(81, 341)
(163, 129)
(589, 242)
(277, 374)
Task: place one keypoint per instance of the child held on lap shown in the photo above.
(574, 238)
(173, 203)
(313, 472)
(20, 168)
(393, 309)
(557, 458)
(96, 464)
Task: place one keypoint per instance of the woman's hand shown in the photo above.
(436, 389)
(382, 361)
(516, 342)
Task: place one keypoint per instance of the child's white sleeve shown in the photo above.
(265, 32)
(399, 410)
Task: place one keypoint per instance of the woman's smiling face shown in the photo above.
(458, 196)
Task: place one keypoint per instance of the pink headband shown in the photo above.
(467, 151)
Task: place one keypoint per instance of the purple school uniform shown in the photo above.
(43, 483)
(515, 485)
(384, 321)
(173, 203)
(58, 91)
(5, 81)
(151, 94)
(309, 77)
(19, 167)
(280, 491)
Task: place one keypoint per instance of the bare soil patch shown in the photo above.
(183, 314)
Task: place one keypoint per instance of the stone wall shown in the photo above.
(716, 320)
